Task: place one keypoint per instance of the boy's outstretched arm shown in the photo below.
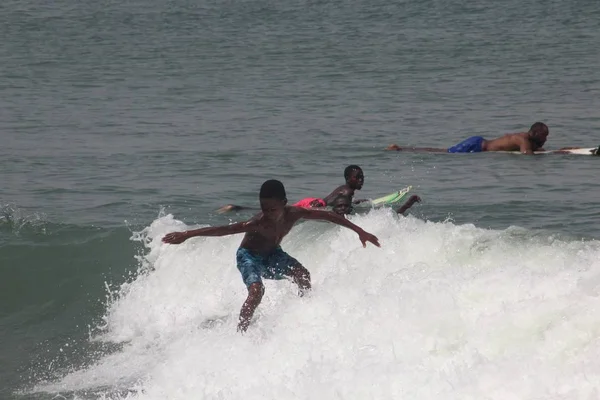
(339, 220)
(180, 237)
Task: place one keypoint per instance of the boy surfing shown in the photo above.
(260, 254)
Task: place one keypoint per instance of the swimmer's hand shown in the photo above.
(227, 208)
(230, 207)
(316, 203)
(358, 201)
(414, 199)
(409, 203)
(367, 237)
(175, 237)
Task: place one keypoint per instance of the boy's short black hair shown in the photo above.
(349, 170)
(272, 189)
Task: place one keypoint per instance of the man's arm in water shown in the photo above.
(409, 203)
(339, 220)
(525, 146)
(240, 227)
(395, 147)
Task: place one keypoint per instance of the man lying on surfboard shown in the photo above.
(525, 142)
(355, 178)
(342, 204)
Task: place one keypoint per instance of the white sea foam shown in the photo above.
(438, 312)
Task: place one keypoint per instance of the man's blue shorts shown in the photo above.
(253, 267)
(470, 145)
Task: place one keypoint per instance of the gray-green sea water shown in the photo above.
(121, 121)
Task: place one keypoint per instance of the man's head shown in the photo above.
(538, 134)
(355, 178)
(342, 205)
(272, 199)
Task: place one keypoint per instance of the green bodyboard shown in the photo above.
(391, 198)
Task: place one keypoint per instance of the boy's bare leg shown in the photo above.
(301, 277)
(255, 294)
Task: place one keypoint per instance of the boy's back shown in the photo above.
(266, 234)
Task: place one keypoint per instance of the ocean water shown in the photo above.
(123, 121)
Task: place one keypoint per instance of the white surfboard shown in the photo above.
(580, 151)
(590, 151)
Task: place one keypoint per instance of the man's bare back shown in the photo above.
(355, 179)
(344, 190)
(512, 142)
